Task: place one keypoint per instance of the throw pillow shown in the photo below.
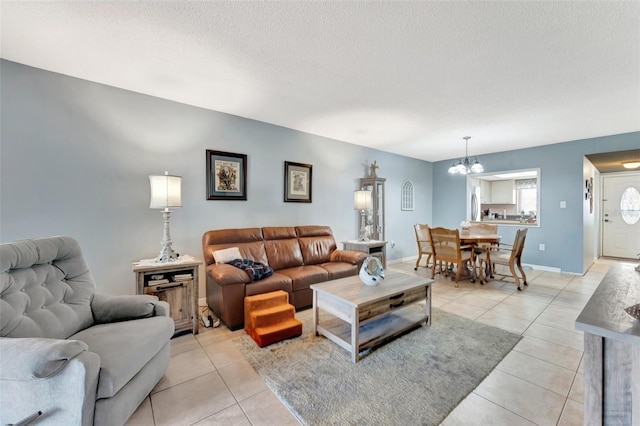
(226, 255)
(634, 311)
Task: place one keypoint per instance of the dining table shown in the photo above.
(475, 238)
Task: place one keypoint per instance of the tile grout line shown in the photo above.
(504, 408)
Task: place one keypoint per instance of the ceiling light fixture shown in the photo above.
(464, 166)
(631, 164)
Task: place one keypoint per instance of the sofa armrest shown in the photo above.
(348, 256)
(162, 309)
(56, 377)
(26, 359)
(225, 274)
(108, 309)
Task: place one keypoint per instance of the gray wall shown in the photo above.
(75, 156)
(561, 179)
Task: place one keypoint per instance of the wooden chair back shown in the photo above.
(483, 228)
(445, 244)
(424, 242)
(513, 259)
(422, 238)
(518, 244)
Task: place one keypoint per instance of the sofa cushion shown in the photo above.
(251, 239)
(303, 276)
(340, 269)
(283, 253)
(313, 231)
(279, 232)
(124, 348)
(277, 281)
(317, 250)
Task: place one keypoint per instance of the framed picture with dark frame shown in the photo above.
(226, 176)
(297, 182)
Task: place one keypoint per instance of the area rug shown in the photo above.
(418, 378)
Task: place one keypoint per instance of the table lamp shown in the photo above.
(165, 194)
(362, 202)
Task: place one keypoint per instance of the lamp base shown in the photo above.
(166, 254)
(163, 257)
(363, 229)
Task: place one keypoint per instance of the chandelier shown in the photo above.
(464, 166)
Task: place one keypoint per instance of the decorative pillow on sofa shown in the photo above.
(226, 255)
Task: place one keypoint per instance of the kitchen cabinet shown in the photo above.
(485, 192)
(503, 192)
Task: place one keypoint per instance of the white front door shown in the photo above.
(621, 215)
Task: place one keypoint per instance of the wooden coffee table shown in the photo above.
(368, 316)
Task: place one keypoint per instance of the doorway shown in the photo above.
(620, 221)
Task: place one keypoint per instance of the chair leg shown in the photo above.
(458, 274)
(418, 262)
(481, 277)
(515, 276)
(524, 276)
(472, 261)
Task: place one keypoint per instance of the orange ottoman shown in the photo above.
(269, 318)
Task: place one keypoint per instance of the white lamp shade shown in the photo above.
(165, 191)
(362, 200)
(477, 167)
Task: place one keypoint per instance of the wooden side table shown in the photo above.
(174, 282)
(375, 248)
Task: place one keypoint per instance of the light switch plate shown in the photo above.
(563, 204)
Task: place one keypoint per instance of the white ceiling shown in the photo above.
(410, 78)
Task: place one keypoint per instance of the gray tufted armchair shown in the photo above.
(77, 357)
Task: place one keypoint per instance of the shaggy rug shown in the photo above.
(417, 378)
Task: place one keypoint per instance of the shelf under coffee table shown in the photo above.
(368, 316)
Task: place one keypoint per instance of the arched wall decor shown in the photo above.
(408, 195)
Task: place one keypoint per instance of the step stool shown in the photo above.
(269, 318)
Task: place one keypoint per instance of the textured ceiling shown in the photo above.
(410, 78)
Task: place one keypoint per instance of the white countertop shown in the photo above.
(604, 314)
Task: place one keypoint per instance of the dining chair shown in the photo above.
(424, 244)
(446, 249)
(481, 250)
(510, 255)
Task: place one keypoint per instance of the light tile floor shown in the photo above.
(540, 382)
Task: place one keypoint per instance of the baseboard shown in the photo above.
(529, 265)
(401, 260)
(541, 268)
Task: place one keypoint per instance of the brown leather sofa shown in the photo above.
(300, 256)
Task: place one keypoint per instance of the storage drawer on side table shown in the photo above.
(391, 303)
